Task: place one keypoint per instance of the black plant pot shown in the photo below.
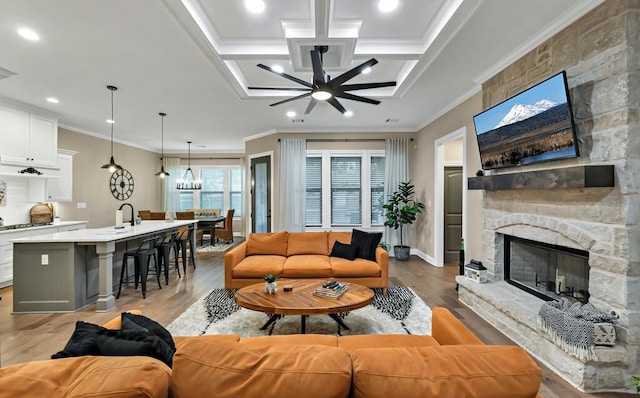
(401, 252)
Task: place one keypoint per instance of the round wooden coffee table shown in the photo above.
(301, 301)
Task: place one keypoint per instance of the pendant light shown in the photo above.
(188, 181)
(112, 165)
(162, 173)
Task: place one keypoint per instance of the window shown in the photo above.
(212, 193)
(377, 190)
(344, 188)
(185, 200)
(346, 191)
(313, 213)
(222, 188)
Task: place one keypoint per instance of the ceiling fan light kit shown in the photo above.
(112, 165)
(323, 87)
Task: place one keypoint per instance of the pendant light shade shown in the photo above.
(112, 165)
(162, 173)
(188, 181)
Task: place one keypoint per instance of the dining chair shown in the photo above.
(226, 232)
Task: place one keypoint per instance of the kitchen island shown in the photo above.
(65, 271)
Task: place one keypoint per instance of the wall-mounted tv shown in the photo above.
(533, 126)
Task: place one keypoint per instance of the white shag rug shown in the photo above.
(401, 312)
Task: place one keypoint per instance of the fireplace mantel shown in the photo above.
(568, 177)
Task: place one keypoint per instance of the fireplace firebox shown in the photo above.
(546, 271)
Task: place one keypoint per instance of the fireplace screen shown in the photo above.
(547, 271)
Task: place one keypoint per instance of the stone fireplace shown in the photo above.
(600, 53)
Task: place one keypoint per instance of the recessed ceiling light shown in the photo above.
(366, 70)
(277, 68)
(387, 5)
(348, 113)
(110, 121)
(53, 100)
(291, 114)
(254, 6)
(28, 34)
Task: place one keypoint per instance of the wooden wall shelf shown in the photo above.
(569, 177)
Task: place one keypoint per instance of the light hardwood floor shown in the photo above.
(29, 337)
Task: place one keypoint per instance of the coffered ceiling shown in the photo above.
(195, 59)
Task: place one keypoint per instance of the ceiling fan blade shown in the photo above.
(318, 73)
(311, 105)
(364, 86)
(279, 88)
(352, 73)
(333, 101)
(357, 98)
(294, 79)
(291, 99)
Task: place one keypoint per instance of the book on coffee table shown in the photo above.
(334, 290)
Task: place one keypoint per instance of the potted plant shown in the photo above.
(402, 209)
(270, 284)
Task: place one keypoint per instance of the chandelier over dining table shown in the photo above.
(188, 181)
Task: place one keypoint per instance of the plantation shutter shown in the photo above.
(377, 190)
(313, 211)
(346, 192)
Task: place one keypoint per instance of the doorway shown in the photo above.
(442, 160)
(452, 213)
(261, 194)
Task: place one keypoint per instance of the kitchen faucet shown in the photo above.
(133, 219)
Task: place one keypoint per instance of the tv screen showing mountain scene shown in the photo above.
(533, 126)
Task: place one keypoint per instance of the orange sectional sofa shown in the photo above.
(298, 255)
(452, 363)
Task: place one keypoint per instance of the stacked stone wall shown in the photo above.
(601, 55)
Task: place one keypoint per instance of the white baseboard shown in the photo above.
(425, 257)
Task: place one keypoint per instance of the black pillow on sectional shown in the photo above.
(366, 243)
(344, 250)
(152, 326)
(133, 343)
(81, 342)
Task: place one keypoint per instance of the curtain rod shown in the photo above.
(343, 139)
(192, 158)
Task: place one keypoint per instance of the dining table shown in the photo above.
(208, 222)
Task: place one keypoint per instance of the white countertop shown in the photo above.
(44, 227)
(105, 234)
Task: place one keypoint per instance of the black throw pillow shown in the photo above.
(366, 243)
(82, 341)
(133, 343)
(152, 326)
(343, 250)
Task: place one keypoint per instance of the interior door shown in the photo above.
(452, 213)
(261, 194)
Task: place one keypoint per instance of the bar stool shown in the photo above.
(186, 236)
(145, 250)
(164, 245)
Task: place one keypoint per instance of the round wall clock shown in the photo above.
(121, 184)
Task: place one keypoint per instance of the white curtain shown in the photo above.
(169, 191)
(293, 165)
(396, 170)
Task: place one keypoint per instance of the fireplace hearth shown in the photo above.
(546, 271)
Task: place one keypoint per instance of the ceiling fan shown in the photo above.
(323, 87)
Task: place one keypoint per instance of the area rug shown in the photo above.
(400, 312)
(221, 246)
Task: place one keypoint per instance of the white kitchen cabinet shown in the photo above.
(28, 139)
(61, 189)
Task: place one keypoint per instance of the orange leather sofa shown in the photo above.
(452, 363)
(299, 255)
